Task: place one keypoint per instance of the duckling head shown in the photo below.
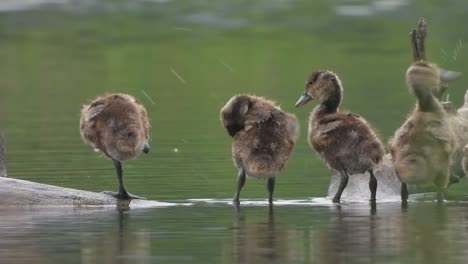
(322, 85)
(234, 113)
(425, 79)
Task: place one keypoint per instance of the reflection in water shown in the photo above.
(392, 234)
(119, 244)
(423, 233)
(265, 240)
(85, 236)
(347, 233)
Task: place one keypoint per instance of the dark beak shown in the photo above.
(146, 148)
(305, 98)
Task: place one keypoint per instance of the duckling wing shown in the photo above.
(257, 116)
(94, 110)
(346, 141)
(339, 130)
(329, 123)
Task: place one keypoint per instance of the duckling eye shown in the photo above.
(311, 82)
(130, 134)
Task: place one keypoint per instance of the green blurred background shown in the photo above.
(183, 60)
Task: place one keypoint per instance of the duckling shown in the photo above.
(345, 141)
(117, 126)
(263, 138)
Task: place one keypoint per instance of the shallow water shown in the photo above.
(183, 60)
(218, 233)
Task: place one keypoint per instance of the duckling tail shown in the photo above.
(263, 166)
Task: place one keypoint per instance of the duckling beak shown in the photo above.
(305, 98)
(146, 148)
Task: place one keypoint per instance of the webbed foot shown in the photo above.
(124, 195)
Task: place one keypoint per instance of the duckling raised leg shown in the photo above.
(240, 185)
(372, 185)
(343, 183)
(271, 188)
(122, 193)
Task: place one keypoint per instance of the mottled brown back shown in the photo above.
(346, 142)
(264, 137)
(116, 125)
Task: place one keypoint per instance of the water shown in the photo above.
(206, 233)
(184, 60)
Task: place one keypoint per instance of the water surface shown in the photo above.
(206, 233)
(183, 60)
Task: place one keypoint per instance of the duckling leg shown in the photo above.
(343, 183)
(440, 196)
(271, 188)
(404, 192)
(372, 185)
(240, 185)
(122, 193)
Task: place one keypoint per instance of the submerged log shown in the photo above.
(3, 172)
(15, 192)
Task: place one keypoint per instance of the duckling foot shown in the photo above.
(235, 200)
(123, 196)
(271, 189)
(440, 197)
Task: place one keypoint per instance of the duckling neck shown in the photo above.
(330, 103)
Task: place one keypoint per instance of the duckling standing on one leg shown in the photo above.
(345, 141)
(117, 126)
(263, 138)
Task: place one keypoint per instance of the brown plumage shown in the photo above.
(117, 126)
(427, 148)
(345, 141)
(263, 138)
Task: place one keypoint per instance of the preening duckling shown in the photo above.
(117, 126)
(263, 138)
(345, 141)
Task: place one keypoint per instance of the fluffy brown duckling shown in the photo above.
(345, 141)
(117, 126)
(427, 148)
(263, 138)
